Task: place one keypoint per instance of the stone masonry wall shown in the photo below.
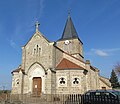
(70, 87)
(74, 47)
(17, 83)
(39, 50)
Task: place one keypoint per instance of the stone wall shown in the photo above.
(37, 49)
(104, 83)
(17, 82)
(42, 53)
(74, 47)
(92, 78)
(74, 60)
(70, 86)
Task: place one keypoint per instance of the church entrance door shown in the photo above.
(37, 86)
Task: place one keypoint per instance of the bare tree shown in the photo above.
(117, 68)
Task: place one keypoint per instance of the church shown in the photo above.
(56, 67)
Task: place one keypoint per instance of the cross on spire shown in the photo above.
(69, 12)
(37, 26)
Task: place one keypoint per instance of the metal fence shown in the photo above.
(47, 99)
(62, 99)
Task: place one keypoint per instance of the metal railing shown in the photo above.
(48, 99)
(62, 99)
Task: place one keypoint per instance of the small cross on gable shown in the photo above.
(37, 26)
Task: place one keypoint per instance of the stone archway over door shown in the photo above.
(37, 86)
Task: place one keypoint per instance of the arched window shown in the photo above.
(37, 50)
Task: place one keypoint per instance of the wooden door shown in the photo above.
(37, 86)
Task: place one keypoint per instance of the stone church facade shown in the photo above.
(56, 67)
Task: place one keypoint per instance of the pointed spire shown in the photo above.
(69, 30)
(37, 26)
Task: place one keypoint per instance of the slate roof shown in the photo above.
(66, 64)
(69, 30)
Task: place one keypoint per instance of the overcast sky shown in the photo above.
(97, 23)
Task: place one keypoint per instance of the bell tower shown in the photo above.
(70, 42)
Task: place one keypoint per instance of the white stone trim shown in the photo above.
(36, 71)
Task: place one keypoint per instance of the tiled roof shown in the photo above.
(66, 64)
(17, 70)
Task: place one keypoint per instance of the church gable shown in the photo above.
(38, 49)
(34, 50)
(37, 38)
